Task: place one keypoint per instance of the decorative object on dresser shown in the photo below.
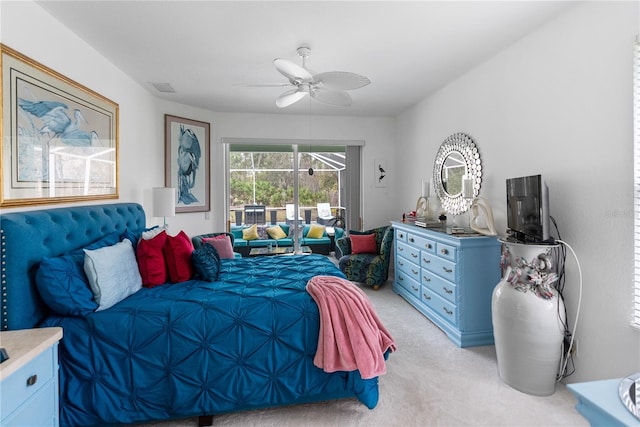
(366, 255)
(449, 279)
(29, 378)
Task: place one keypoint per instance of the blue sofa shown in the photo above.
(321, 245)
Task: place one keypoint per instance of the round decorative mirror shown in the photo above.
(457, 164)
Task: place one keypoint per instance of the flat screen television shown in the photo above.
(528, 210)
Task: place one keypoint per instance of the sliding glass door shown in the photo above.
(263, 187)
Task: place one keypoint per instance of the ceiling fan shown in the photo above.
(329, 87)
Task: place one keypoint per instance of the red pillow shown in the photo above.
(151, 260)
(222, 243)
(177, 253)
(363, 244)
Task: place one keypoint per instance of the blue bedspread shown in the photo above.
(200, 348)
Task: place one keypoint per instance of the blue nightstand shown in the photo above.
(600, 404)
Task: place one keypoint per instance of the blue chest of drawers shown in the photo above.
(449, 279)
(29, 378)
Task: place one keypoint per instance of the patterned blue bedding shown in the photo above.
(202, 348)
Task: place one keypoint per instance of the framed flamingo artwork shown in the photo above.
(59, 138)
(187, 162)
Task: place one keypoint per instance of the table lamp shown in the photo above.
(164, 202)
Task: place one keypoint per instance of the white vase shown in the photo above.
(528, 329)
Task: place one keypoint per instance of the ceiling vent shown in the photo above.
(163, 87)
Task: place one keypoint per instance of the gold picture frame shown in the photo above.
(187, 164)
(59, 138)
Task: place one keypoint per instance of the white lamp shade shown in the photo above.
(164, 202)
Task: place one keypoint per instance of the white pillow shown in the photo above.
(113, 273)
(153, 232)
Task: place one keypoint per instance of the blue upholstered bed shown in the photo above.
(189, 349)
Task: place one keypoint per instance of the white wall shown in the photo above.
(558, 102)
(33, 32)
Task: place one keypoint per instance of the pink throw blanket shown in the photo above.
(351, 334)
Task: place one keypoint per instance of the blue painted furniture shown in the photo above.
(599, 402)
(449, 279)
(29, 378)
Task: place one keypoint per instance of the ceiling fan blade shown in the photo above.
(332, 97)
(290, 97)
(293, 72)
(341, 80)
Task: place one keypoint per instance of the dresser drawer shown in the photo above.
(409, 252)
(26, 381)
(39, 411)
(440, 266)
(442, 287)
(408, 283)
(422, 243)
(444, 308)
(409, 268)
(401, 236)
(446, 251)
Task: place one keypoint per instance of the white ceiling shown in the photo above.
(204, 48)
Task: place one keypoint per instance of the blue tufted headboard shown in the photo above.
(27, 237)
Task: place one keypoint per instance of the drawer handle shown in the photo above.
(449, 291)
(411, 239)
(426, 279)
(401, 249)
(401, 263)
(449, 312)
(427, 297)
(32, 380)
(426, 261)
(414, 271)
(400, 278)
(414, 288)
(427, 245)
(447, 270)
(443, 251)
(414, 255)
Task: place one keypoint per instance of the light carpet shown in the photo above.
(429, 382)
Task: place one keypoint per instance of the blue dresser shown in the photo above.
(449, 279)
(29, 378)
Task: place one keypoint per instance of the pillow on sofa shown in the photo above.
(151, 263)
(316, 231)
(363, 244)
(113, 273)
(222, 243)
(177, 254)
(276, 232)
(62, 283)
(250, 233)
(206, 263)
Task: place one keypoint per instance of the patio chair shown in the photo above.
(324, 214)
(291, 213)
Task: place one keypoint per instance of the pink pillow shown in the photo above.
(222, 243)
(363, 244)
(177, 253)
(151, 260)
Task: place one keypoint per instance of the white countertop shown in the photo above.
(25, 344)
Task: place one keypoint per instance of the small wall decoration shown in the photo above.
(59, 138)
(380, 172)
(187, 162)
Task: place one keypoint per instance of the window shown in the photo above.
(635, 321)
(260, 173)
